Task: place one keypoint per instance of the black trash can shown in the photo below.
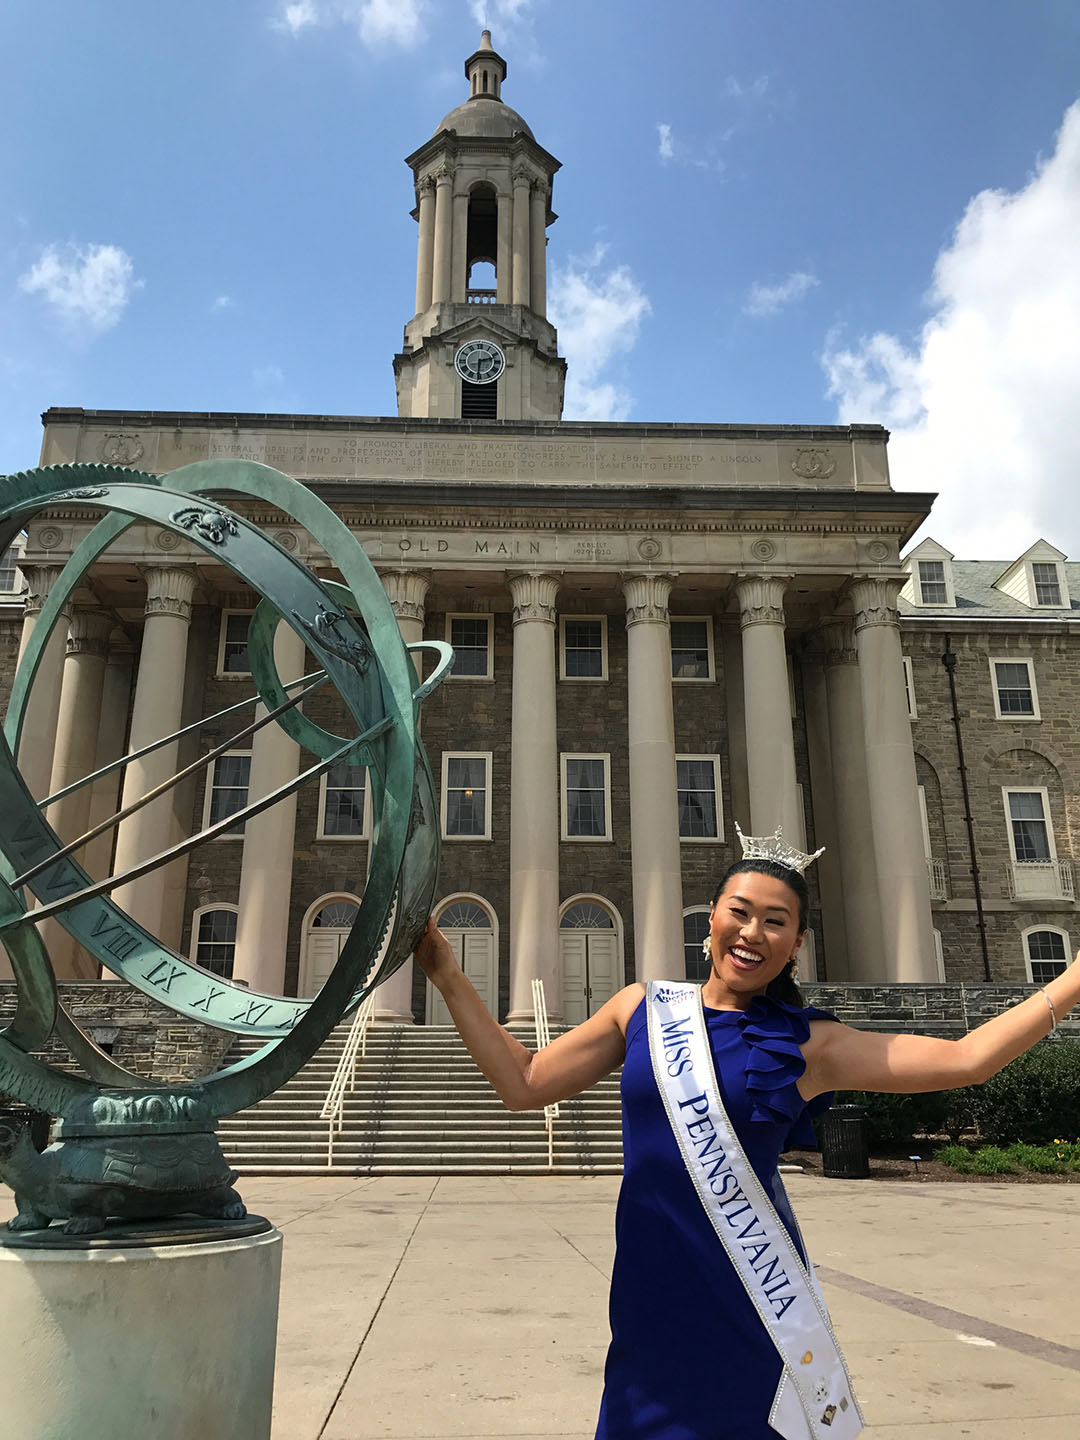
(844, 1151)
(37, 1123)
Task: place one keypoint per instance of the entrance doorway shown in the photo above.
(470, 928)
(325, 934)
(589, 958)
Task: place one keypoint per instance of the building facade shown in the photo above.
(660, 630)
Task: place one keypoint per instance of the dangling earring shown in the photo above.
(706, 946)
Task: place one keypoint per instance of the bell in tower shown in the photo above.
(480, 346)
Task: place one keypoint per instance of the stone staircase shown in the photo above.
(419, 1107)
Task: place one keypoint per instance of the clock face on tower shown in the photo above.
(480, 361)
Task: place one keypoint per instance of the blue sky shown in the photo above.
(769, 213)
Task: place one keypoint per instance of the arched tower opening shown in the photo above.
(482, 245)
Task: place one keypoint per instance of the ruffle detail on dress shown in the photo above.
(773, 1032)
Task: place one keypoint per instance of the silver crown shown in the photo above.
(772, 847)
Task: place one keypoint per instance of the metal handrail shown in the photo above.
(354, 1049)
(543, 1037)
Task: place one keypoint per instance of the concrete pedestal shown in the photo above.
(163, 1342)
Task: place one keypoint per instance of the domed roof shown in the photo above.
(486, 117)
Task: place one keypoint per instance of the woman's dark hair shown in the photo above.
(783, 987)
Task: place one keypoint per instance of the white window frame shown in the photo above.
(222, 673)
(1034, 929)
(1037, 604)
(924, 818)
(909, 688)
(584, 679)
(718, 838)
(939, 956)
(995, 660)
(16, 550)
(449, 755)
(320, 829)
(1006, 791)
(211, 772)
(708, 679)
(564, 808)
(193, 947)
(487, 615)
(687, 912)
(949, 602)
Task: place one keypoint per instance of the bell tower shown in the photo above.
(480, 346)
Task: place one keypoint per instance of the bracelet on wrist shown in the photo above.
(1053, 1012)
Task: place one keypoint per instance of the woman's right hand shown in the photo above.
(434, 955)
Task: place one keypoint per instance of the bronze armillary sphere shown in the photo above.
(127, 1146)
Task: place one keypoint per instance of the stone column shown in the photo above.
(442, 262)
(425, 248)
(908, 938)
(112, 734)
(39, 725)
(266, 867)
(459, 278)
(770, 742)
(504, 264)
(538, 247)
(521, 237)
(654, 814)
(77, 730)
(534, 804)
(855, 834)
(157, 711)
(406, 591)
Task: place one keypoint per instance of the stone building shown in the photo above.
(660, 630)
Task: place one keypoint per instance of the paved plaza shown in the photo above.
(476, 1307)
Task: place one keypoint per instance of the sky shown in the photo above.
(771, 212)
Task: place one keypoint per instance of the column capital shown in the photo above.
(39, 581)
(88, 633)
(444, 174)
(837, 640)
(522, 176)
(425, 185)
(169, 590)
(406, 590)
(761, 599)
(534, 593)
(646, 594)
(874, 599)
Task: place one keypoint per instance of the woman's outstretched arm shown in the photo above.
(839, 1057)
(522, 1080)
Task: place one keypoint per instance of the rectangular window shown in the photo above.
(1030, 837)
(691, 649)
(9, 576)
(233, 643)
(1014, 689)
(586, 798)
(909, 689)
(932, 587)
(583, 645)
(1047, 585)
(471, 637)
(1047, 955)
(215, 942)
(343, 807)
(227, 788)
(466, 812)
(698, 782)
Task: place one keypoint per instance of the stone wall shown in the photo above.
(944, 1010)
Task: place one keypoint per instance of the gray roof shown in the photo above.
(486, 117)
(976, 598)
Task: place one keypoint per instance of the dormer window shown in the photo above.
(933, 589)
(1047, 584)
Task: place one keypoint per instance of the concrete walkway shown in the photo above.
(476, 1308)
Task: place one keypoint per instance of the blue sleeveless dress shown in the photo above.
(689, 1359)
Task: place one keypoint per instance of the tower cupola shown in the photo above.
(485, 70)
(480, 345)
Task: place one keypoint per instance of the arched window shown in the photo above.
(464, 915)
(485, 82)
(213, 939)
(586, 915)
(337, 915)
(1046, 951)
(695, 927)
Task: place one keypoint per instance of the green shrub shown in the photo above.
(898, 1119)
(957, 1157)
(1042, 1159)
(992, 1160)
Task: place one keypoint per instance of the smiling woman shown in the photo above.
(717, 1082)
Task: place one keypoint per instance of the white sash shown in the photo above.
(814, 1400)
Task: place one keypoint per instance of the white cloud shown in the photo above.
(598, 313)
(222, 302)
(86, 286)
(267, 376)
(505, 13)
(771, 299)
(983, 403)
(667, 146)
(379, 23)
